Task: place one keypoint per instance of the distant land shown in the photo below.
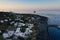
(53, 16)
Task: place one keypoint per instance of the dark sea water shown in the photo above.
(54, 33)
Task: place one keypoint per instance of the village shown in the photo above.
(17, 27)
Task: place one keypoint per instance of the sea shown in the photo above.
(54, 33)
(53, 19)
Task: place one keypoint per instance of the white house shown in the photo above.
(30, 26)
(2, 21)
(10, 32)
(22, 35)
(28, 31)
(32, 18)
(12, 22)
(22, 24)
(10, 19)
(0, 31)
(15, 24)
(5, 35)
(5, 20)
(17, 32)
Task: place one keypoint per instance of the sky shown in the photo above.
(29, 5)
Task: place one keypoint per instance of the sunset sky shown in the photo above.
(29, 5)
